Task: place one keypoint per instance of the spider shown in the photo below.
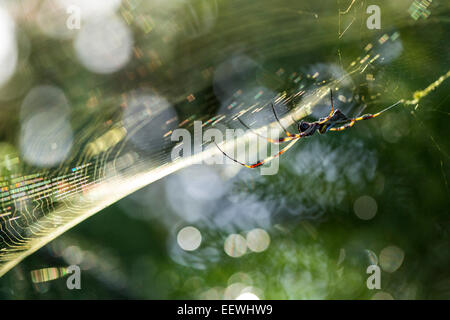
(335, 121)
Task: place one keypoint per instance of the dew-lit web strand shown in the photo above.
(438, 148)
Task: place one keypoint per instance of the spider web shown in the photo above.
(121, 133)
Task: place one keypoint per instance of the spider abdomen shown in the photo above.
(323, 128)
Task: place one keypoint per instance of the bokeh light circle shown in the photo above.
(247, 296)
(8, 48)
(189, 238)
(46, 136)
(365, 207)
(381, 295)
(235, 245)
(104, 45)
(258, 240)
(148, 117)
(391, 258)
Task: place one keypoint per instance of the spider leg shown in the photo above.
(353, 120)
(260, 163)
(345, 126)
(296, 121)
(332, 109)
(367, 116)
(277, 141)
(279, 122)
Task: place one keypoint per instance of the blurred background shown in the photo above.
(90, 92)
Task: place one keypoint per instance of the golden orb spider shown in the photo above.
(305, 129)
